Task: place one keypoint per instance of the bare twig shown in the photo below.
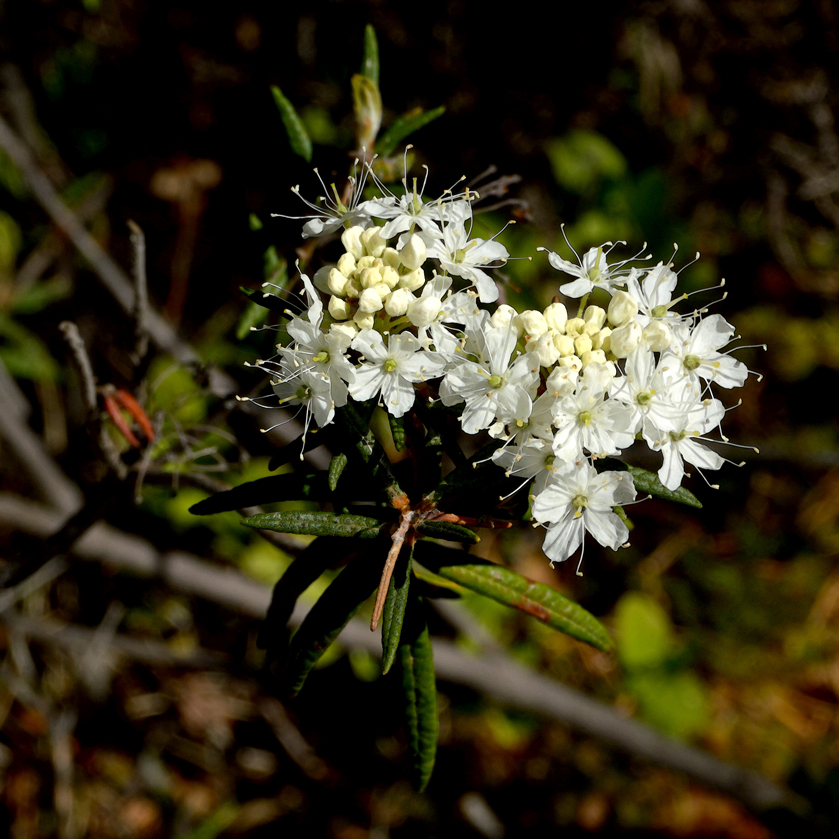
(26, 446)
(290, 738)
(74, 340)
(141, 293)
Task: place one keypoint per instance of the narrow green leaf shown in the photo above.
(370, 59)
(448, 530)
(336, 467)
(648, 482)
(416, 665)
(254, 316)
(393, 614)
(330, 615)
(397, 429)
(317, 524)
(431, 585)
(267, 301)
(506, 586)
(290, 487)
(298, 137)
(402, 126)
(323, 553)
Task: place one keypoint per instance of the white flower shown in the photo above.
(494, 386)
(391, 369)
(461, 256)
(698, 350)
(579, 500)
(592, 271)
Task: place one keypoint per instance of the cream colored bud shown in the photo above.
(600, 341)
(337, 283)
(352, 289)
(625, 339)
(382, 289)
(390, 276)
(658, 335)
(346, 331)
(571, 362)
(391, 257)
(504, 315)
(591, 329)
(582, 344)
(594, 357)
(351, 239)
(413, 253)
(564, 344)
(339, 308)
(622, 308)
(574, 327)
(424, 311)
(321, 279)
(368, 277)
(544, 349)
(556, 316)
(412, 281)
(373, 241)
(370, 301)
(346, 264)
(397, 302)
(532, 323)
(366, 261)
(594, 315)
(364, 320)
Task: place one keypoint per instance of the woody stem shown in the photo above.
(406, 519)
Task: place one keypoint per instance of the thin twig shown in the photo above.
(141, 292)
(74, 340)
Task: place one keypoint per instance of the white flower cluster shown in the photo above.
(557, 392)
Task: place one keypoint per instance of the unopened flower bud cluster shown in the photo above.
(399, 315)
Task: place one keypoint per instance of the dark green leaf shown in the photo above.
(506, 586)
(448, 530)
(431, 585)
(330, 615)
(298, 137)
(336, 467)
(317, 524)
(416, 665)
(648, 482)
(323, 553)
(267, 301)
(393, 614)
(253, 317)
(477, 474)
(402, 126)
(290, 487)
(370, 60)
(368, 447)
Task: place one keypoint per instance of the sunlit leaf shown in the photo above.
(403, 126)
(648, 482)
(506, 586)
(336, 468)
(317, 524)
(298, 137)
